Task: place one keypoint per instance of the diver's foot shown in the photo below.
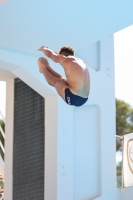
(41, 64)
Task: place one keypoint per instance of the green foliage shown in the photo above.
(124, 120)
(119, 177)
(2, 125)
(119, 167)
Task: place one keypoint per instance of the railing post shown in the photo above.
(2, 158)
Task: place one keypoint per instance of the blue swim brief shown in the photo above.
(74, 100)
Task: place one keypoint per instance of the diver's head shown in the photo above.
(66, 51)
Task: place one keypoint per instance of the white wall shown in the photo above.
(25, 26)
(85, 141)
(5, 75)
(87, 137)
(22, 33)
(50, 145)
(8, 178)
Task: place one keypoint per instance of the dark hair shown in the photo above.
(67, 49)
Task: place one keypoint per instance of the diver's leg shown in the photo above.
(59, 84)
(52, 80)
(51, 70)
(60, 88)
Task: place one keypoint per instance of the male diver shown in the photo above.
(74, 89)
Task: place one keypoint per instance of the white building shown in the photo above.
(54, 151)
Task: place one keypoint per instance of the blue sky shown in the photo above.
(123, 47)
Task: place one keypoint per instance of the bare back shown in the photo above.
(77, 76)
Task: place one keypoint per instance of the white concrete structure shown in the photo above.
(80, 143)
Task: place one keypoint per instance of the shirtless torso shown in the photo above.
(77, 76)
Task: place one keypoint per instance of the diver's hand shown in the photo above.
(42, 48)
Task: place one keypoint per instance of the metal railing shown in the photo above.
(119, 173)
(2, 197)
(2, 138)
(1, 188)
(2, 116)
(2, 154)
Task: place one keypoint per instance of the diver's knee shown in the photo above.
(41, 60)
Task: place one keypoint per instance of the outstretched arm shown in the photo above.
(54, 56)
